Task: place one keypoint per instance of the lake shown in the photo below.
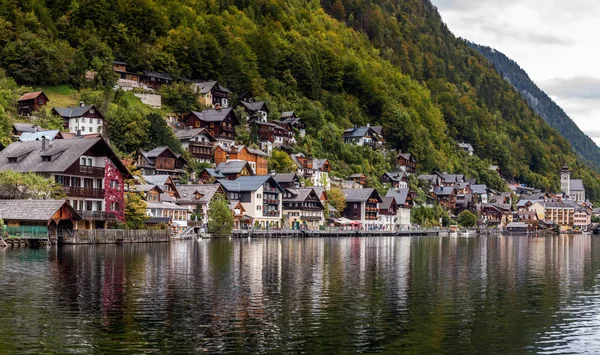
(489, 294)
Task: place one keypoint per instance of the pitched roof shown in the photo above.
(319, 163)
(355, 176)
(443, 191)
(26, 127)
(33, 136)
(400, 195)
(387, 202)
(73, 112)
(32, 210)
(188, 193)
(146, 188)
(406, 156)
(154, 74)
(214, 173)
(285, 178)
(577, 185)
(214, 115)
(206, 86)
(395, 176)
(467, 146)
(63, 153)
(255, 106)
(359, 195)
(248, 183)
(164, 206)
(233, 167)
(358, 132)
(301, 194)
(31, 95)
(479, 189)
(159, 180)
(185, 134)
(287, 114)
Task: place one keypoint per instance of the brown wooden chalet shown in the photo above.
(121, 69)
(230, 170)
(220, 123)
(406, 162)
(161, 161)
(274, 133)
(362, 205)
(256, 158)
(397, 179)
(31, 102)
(198, 141)
(302, 208)
(255, 110)
(287, 180)
(289, 120)
(358, 178)
(155, 80)
(445, 196)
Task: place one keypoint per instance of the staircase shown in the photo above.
(187, 233)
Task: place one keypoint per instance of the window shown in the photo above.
(88, 205)
(92, 110)
(98, 205)
(99, 121)
(12, 160)
(356, 205)
(258, 196)
(90, 129)
(90, 120)
(46, 158)
(75, 204)
(89, 162)
(258, 207)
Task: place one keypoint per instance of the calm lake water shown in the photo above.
(352, 295)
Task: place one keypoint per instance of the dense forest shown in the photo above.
(336, 63)
(542, 104)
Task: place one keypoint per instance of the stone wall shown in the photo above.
(152, 100)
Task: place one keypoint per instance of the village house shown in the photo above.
(156, 208)
(450, 180)
(82, 119)
(287, 180)
(406, 162)
(165, 182)
(220, 123)
(573, 188)
(39, 135)
(466, 147)
(302, 209)
(155, 80)
(198, 141)
(344, 184)
(290, 121)
(431, 179)
(315, 170)
(196, 198)
(31, 102)
(261, 198)
(529, 217)
(256, 158)
(445, 196)
(230, 170)
(271, 135)
(397, 179)
(404, 202)
(51, 219)
(256, 111)
(212, 94)
(365, 136)
(91, 174)
(19, 128)
(480, 194)
(161, 161)
(358, 178)
(362, 205)
(560, 213)
(495, 215)
(127, 80)
(240, 219)
(388, 210)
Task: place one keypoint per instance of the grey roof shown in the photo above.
(285, 178)
(301, 194)
(387, 202)
(534, 197)
(233, 167)
(214, 115)
(287, 114)
(319, 190)
(146, 188)
(157, 151)
(160, 180)
(556, 204)
(165, 197)
(406, 156)
(159, 75)
(357, 175)
(32, 136)
(517, 225)
(214, 173)
(165, 206)
(400, 195)
(453, 178)
(359, 195)
(206, 86)
(577, 185)
(63, 153)
(255, 106)
(188, 193)
(26, 127)
(73, 112)
(248, 183)
(318, 163)
(467, 146)
(32, 210)
(186, 134)
(358, 132)
(443, 191)
(331, 208)
(479, 189)
(250, 150)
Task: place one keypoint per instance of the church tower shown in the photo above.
(565, 180)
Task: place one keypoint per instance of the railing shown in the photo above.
(270, 202)
(269, 189)
(91, 170)
(271, 213)
(27, 232)
(89, 192)
(97, 215)
(201, 144)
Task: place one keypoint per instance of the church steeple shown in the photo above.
(565, 180)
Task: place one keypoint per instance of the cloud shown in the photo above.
(505, 31)
(579, 87)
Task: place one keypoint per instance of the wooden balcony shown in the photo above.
(86, 192)
(97, 215)
(91, 170)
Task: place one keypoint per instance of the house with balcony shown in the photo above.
(212, 94)
(161, 161)
(582, 218)
(256, 158)
(562, 214)
(165, 182)
(198, 141)
(230, 170)
(362, 205)
(388, 211)
(302, 209)
(260, 196)
(365, 136)
(404, 203)
(358, 178)
(290, 121)
(31, 102)
(127, 80)
(316, 170)
(220, 123)
(397, 179)
(82, 119)
(497, 215)
(158, 210)
(91, 174)
(256, 111)
(287, 180)
(406, 162)
(155, 80)
(197, 198)
(480, 193)
(271, 135)
(445, 196)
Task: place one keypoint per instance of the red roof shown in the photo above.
(31, 95)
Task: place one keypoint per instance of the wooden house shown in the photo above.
(406, 162)
(362, 206)
(256, 158)
(198, 141)
(155, 80)
(358, 178)
(255, 110)
(230, 170)
(445, 196)
(302, 209)
(397, 179)
(220, 123)
(290, 121)
(160, 161)
(212, 94)
(31, 102)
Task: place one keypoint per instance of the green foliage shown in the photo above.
(24, 186)
(280, 162)
(337, 199)
(135, 211)
(220, 219)
(180, 97)
(160, 134)
(467, 219)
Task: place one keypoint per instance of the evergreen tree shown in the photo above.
(220, 219)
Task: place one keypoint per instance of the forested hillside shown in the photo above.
(542, 104)
(336, 63)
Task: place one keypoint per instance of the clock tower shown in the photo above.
(565, 180)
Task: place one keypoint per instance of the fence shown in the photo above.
(111, 236)
(25, 232)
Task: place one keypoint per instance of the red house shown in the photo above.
(31, 102)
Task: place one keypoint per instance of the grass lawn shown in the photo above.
(61, 95)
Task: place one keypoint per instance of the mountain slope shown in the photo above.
(337, 63)
(542, 104)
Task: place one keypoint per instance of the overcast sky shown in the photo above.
(554, 41)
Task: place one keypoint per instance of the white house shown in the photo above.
(404, 206)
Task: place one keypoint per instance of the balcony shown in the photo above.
(97, 215)
(271, 213)
(87, 192)
(270, 202)
(91, 170)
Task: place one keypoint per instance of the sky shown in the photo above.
(554, 41)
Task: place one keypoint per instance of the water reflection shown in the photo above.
(422, 294)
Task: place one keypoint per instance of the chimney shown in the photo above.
(81, 103)
(44, 143)
(273, 172)
(368, 125)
